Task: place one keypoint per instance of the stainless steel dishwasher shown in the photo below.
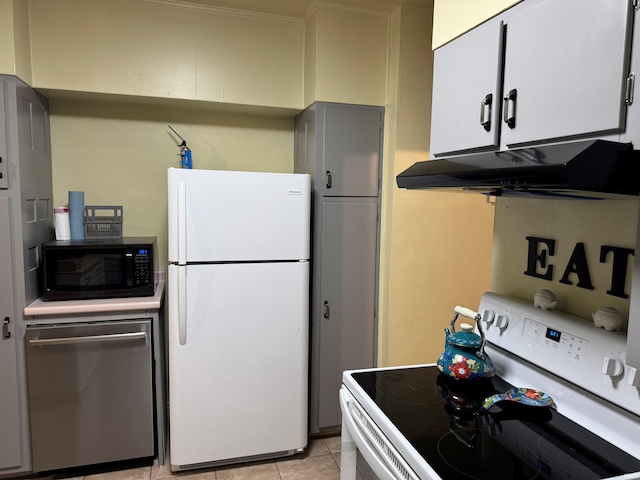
(90, 393)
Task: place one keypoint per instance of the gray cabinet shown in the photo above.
(567, 61)
(340, 146)
(350, 154)
(348, 287)
(465, 112)
(563, 75)
(26, 221)
(10, 454)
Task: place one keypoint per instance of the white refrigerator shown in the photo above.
(238, 303)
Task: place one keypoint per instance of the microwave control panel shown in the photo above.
(142, 274)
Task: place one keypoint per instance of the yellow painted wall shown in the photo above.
(15, 49)
(310, 58)
(118, 154)
(137, 48)
(7, 48)
(594, 223)
(454, 17)
(438, 244)
(351, 53)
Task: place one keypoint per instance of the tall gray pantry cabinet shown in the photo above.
(26, 221)
(340, 146)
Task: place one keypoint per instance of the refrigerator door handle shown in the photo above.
(182, 223)
(182, 306)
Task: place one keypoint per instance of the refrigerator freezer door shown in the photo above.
(222, 216)
(239, 383)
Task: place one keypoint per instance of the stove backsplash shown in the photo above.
(568, 237)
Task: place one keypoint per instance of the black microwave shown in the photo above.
(98, 268)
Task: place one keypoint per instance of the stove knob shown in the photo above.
(634, 377)
(488, 316)
(612, 367)
(502, 321)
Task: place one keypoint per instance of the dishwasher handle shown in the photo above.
(117, 337)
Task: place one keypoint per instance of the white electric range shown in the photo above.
(413, 422)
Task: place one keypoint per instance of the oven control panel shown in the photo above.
(562, 343)
(570, 347)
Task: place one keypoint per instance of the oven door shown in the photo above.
(365, 451)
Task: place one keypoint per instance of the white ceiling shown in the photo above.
(299, 8)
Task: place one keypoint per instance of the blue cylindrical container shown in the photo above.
(185, 157)
(76, 215)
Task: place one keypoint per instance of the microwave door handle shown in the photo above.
(182, 305)
(117, 337)
(182, 223)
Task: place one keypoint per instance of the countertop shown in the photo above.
(39, 308)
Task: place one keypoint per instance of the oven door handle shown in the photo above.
(117, 337)
(382, 465)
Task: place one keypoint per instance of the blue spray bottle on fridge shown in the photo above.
(185, 152)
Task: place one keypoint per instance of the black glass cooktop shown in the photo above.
(442, 418)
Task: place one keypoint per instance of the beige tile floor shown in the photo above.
(320, 461)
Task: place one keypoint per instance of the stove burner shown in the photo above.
(565, 449)
(479, 454)
(464, 397)
(408, 387)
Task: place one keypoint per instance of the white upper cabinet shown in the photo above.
(554, 68)
(567, 63)
(466, 91)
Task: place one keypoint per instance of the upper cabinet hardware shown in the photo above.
(486, 102)
(628, 93)
(5, 328)
(327, 311)
(328, 179)
(511, 97)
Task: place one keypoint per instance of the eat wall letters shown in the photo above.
(540, 250)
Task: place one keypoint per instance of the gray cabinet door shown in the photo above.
(347, 299)
(567, 62)
(351, 144)
(466, 91)
(10, 436)
(35, 182)
(305, 142)
(4, 161)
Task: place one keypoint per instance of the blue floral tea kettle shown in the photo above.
(464, 357)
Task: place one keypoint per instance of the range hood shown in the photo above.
(593, 168)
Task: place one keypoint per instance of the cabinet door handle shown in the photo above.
(5, 327)
(485, 104)
(114, 337)
(328, 178)
(327, 311)
(511, 97)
